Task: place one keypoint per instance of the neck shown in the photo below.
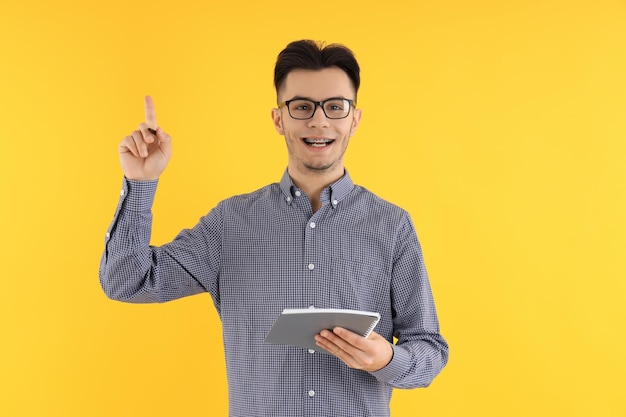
(312, 182)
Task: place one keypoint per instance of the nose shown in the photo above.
(319, 118)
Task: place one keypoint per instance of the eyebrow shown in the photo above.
(310, 99)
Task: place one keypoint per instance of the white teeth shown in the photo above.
(317, 142)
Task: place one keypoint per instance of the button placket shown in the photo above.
(312, 225)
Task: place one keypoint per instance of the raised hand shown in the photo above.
(144, 154)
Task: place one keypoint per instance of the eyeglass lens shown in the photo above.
(333, 108)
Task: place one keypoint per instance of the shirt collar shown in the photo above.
(337, 191)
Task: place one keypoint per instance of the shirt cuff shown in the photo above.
(138, 195)
(396, 368)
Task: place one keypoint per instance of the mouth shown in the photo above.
(317, 142)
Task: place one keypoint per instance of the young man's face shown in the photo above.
(317, 144)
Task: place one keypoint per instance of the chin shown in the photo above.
(320, 167)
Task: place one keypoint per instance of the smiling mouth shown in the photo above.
(317, 143)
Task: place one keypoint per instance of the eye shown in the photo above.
(300, 106)
(335, 105)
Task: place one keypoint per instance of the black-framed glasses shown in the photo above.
(333, 108)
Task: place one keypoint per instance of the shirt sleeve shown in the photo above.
(420, 352)
(132, 270)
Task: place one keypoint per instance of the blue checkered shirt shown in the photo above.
(259, 253)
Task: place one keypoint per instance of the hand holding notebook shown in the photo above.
(298, 327)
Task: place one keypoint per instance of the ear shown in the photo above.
(356, 119)
(277, 118)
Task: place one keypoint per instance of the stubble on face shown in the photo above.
(322, 166)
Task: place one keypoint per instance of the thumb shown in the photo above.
(165, 142)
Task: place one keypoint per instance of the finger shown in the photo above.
(140, 143)
(128, 145)
(149, 135)
(151, 120)
(162, 136)
(331, 343)
(336, 342)
(349, 338)
(371, 354)
(164, 142)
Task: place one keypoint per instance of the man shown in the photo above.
(312, 240)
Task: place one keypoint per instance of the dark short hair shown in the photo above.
(311, 55)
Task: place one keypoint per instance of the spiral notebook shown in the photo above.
(298, 327)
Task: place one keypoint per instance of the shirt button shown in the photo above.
(311, 351)
(311, 267)
(108, 235)
(122, 193)
(298, 193)
(312, 224)
(288, 199)
(311, 307)
(335, 202)
(311, 393)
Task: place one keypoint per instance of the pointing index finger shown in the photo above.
(150, 113)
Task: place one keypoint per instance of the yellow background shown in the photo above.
(498, 125)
